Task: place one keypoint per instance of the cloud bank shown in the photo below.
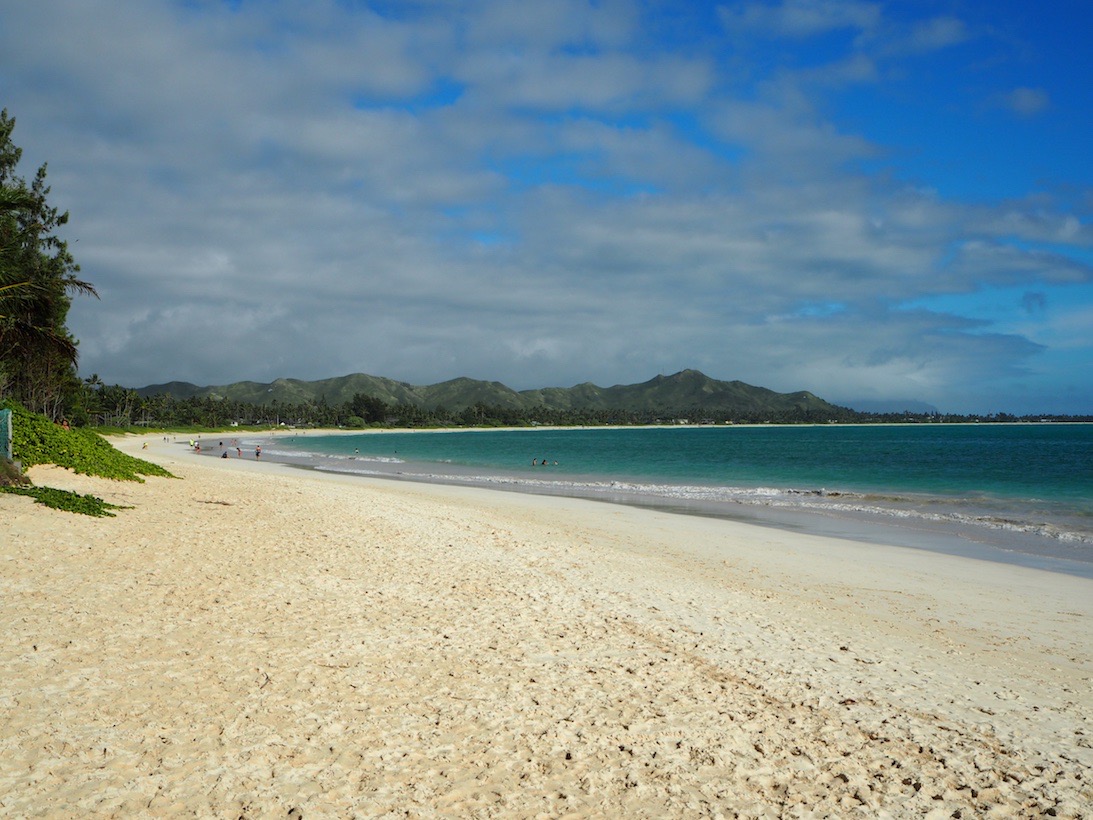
(551, 193)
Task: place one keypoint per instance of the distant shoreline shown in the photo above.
(333, 431)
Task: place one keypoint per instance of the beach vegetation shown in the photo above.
(38, 354)
(370, 409)
(37, 440)
(66, 500)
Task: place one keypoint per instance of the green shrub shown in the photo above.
(37, 440)
(65, 500)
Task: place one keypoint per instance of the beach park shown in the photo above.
(250, 639)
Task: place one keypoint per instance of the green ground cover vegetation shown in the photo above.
(37, 440)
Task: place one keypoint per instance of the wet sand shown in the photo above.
(254, 639)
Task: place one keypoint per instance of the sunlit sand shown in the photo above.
(254, 639)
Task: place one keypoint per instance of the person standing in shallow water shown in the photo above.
(258, 451)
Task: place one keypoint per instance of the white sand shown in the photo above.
(254, 639)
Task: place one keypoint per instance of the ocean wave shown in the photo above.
(885, 507)
(1039, 528)
(300, 455)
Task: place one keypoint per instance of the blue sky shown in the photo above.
(869, 200)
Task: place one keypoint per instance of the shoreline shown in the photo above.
(854, 515)
(926, 536)
(348, 431)
(256, 638)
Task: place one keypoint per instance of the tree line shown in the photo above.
(103, 405)
(117, 406)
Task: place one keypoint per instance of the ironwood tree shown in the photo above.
(38, 354)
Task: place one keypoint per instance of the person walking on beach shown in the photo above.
(258, 451)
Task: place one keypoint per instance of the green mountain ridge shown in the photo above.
(688, 391)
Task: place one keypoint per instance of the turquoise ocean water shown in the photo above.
(1020, 493)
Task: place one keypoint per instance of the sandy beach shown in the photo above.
(253, 640)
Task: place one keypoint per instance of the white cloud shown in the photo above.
(801, 18)
(572, 24)
(791, 143)
(937, 33)
(1003, 263)
(1026, 102)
